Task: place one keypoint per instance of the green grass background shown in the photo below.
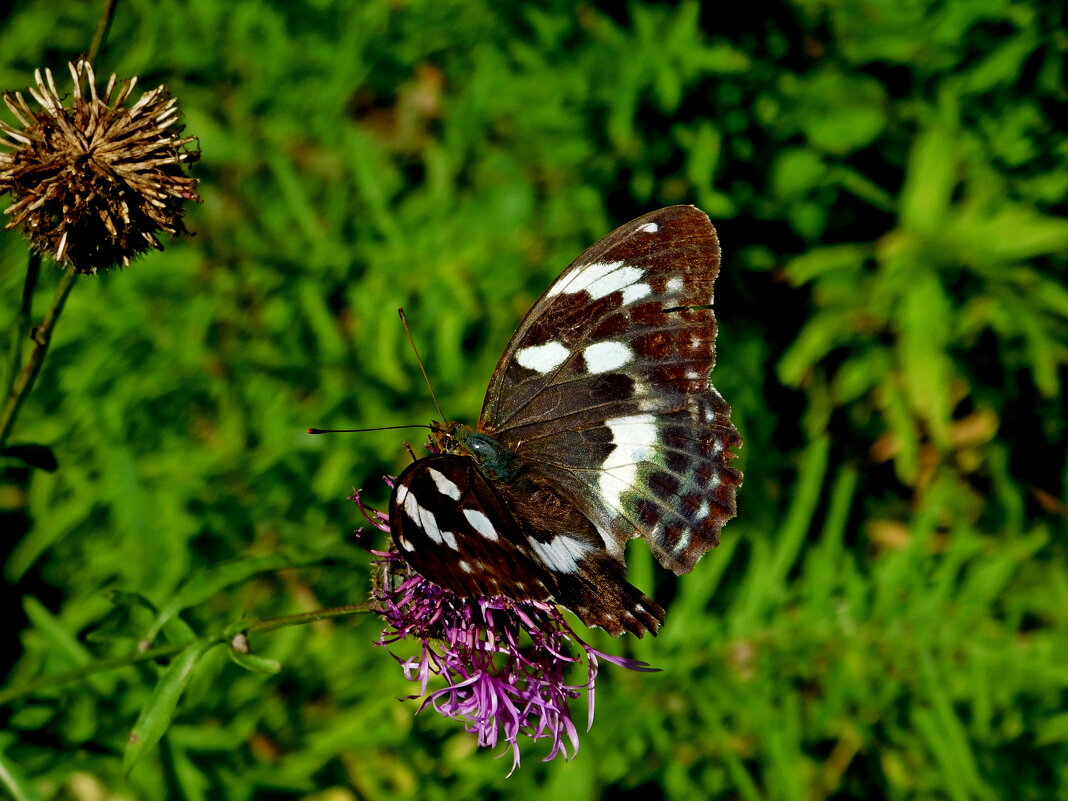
(887, 617)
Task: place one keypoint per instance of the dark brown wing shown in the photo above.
(519, 540)
(605, 387)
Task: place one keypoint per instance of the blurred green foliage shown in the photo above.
(888, 616)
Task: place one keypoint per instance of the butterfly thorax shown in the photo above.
(494, 460)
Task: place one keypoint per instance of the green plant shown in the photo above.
(886, 617)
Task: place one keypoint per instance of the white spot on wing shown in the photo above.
(445, 485)
(675, 284)
(590, 274)
(430, 524)
(649, 228)
(604, 356)
(411, 506)
(614, 281)
(604, 278)
(684, 541)
(422, 518)
(480, 523)
(402, 493)
(635, 292)
(561, 553)
(542, 358)
(425, 519)
(562, 286)
(634, 438)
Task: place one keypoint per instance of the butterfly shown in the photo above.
(599, 426)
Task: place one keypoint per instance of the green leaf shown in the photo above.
(1053, 729)
(841, 112)
(194, 784)
(131, 614)
(81, 719)
(1047, 354)
(821, 261)
(903, 428)
(256, 664)
(857, 376)
(927, 371)
(820, 336)
(724, 59)
(930, 180)
(796, 171)
(157, 713)
(63, 642)
(209, 582)
(862, 186)
(1002, 65)
(1026, 235)
(704, 148)
(1052, 295)
(33, 716)
(12, 777)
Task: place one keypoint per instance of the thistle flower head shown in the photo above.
(95, 181)
(504, 663)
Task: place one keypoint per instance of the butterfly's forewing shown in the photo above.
(605, 386)
(521, 541)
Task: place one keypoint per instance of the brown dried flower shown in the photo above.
(94, 182)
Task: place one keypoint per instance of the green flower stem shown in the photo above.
(41, 336)
(22, 322)
(257, 626)
(272, 623)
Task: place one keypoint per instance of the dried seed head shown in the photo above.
(95, 181)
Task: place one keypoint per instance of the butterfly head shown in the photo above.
(492, 458)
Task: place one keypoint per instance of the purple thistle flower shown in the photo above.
(504, 662)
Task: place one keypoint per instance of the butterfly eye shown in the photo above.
(492, 457)
(482, 448)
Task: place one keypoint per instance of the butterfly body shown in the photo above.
(599, 426)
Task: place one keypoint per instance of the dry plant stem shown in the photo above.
(22, 322)
(103, 25)
(257, 626)
(41, 336)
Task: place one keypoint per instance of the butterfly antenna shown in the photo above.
(361, 430)
(418, 358)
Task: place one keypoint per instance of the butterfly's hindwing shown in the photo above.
(605, 386)
(519, 539)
